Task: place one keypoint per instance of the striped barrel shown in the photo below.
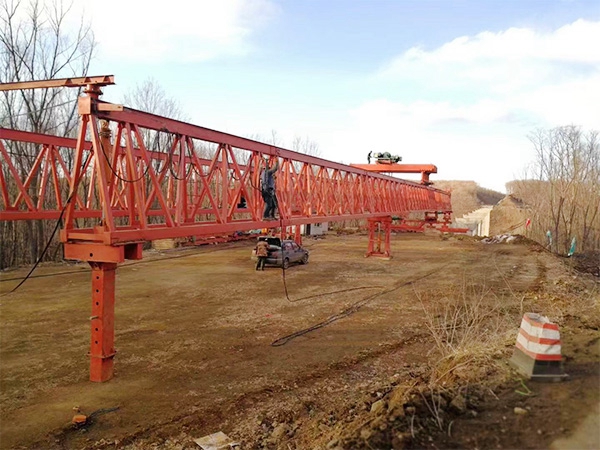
(537, 353)
(539, 338)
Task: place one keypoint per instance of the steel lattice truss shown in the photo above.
(160, 178)
(131, 176)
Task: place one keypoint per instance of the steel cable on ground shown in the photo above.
(285, 288)
(348, 311)
(102, 411)
(323, 294)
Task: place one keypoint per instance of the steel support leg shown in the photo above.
(298, 235)
(380, 227)
(102, 348)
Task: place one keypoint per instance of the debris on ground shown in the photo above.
(81, 420)
(520, 411)
(506, 238)
(216, 441)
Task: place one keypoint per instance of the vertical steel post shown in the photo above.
(107, 155)
(102, 348)
(387, 230)
(298, 234)
(370, 248)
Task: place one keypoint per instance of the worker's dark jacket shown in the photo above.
(267, 180)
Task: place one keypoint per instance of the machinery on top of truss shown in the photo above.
(385, 162)
(388, 163)
(132, 177)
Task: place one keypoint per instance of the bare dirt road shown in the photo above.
(194, 335)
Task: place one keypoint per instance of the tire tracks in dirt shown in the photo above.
(212, 417)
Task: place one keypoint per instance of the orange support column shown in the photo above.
(379, 226)
(298, 235)
(102, 348)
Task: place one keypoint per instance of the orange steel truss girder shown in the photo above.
(185, 181)
(143, 177)
(432, 220)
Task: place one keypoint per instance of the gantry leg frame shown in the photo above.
(380, 230)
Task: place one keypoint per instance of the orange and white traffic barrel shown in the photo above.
(537, 353)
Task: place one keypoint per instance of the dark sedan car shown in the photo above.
(283, 252)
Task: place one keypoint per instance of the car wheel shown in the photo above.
(304, 259)
(286, 263)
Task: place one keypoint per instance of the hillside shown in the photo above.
(468, 196)
(509, 215)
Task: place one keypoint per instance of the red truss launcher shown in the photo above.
(137, 177)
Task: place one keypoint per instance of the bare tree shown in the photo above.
(564, 188)
(149, 96)
(36, 45)
(306, 145)
(275, 139)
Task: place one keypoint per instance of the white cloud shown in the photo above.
(177, 30)
(572, 43)
(574, 102)
(506, 63)
(469, 104)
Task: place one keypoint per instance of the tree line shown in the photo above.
(562, 189)
(36, 46)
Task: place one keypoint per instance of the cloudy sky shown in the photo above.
(459, 84)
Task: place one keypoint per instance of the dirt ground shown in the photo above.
(194, 335)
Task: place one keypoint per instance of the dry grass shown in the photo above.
(472, 327)
(473, 330)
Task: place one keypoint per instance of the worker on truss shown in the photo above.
(268, 190)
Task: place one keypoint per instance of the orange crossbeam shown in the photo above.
(424, 169)
(102, 80)
(397, 168)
